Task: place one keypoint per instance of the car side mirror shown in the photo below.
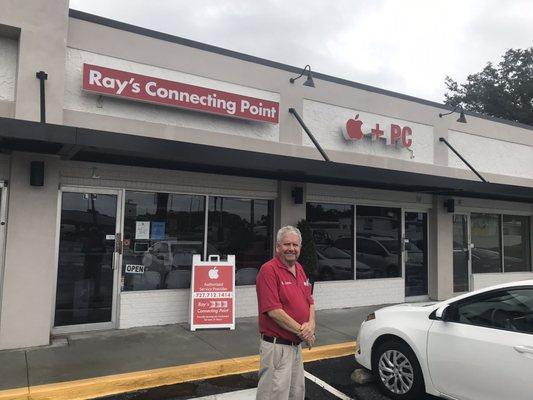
(443, 313)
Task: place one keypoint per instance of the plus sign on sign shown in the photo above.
(393, 134)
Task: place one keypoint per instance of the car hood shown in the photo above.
(411, 307)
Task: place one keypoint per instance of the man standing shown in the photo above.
(286, 318)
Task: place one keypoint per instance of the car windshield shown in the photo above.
(334, 252)
(391, 245)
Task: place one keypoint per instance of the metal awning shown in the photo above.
(82, 144)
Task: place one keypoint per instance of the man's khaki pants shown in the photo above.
(281, 372)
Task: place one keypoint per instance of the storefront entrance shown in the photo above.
(416, 255)
(88, 260)
(461, 253)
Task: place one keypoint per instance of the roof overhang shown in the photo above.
(81, 144)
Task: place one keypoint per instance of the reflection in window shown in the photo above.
(416, 257)
(378, 242)
(485, 236)
(508, 309)
(162, 231)
(242, 227)
(516, 243)
(332, 227)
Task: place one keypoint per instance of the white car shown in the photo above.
(476, 346)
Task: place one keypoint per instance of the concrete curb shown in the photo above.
(132, 381)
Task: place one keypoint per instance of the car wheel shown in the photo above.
(397, 371)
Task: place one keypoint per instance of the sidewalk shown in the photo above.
(156, 354)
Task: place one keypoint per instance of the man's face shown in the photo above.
(288, 249)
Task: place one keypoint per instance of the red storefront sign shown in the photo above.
(112, 82)
(213, 294)
(393, 134)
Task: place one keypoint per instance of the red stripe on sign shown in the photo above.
(112, 82)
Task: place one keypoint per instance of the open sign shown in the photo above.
(134, 269)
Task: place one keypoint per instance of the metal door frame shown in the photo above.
(416, 210)
(3, 232)
(466, 214)
(117, 261)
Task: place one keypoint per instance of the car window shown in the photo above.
(367, 246)
(507, 309)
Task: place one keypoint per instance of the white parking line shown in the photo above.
(327, 387)
(249, 394)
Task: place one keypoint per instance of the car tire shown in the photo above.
(397, 371)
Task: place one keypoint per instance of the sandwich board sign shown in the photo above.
(212, 302)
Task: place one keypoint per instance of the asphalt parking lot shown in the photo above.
(335, 372)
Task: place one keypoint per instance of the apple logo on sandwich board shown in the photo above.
(213, 273)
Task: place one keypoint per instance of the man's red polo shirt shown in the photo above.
(278, 288)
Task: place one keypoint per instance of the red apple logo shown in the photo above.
(213, 273)
(352, 130)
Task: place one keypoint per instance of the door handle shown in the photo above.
(118, 243)
(524, 349)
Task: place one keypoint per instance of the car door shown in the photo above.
(483, 349)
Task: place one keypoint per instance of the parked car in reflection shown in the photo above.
(382, 254)
(333, 263)
(476, 346)
(167, 264)
(336, 264)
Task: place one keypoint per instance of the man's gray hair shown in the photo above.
(288, 229)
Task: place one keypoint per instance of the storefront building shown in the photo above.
(155, 148)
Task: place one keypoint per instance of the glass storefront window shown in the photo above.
(378, 242)
(516, 242)
(416, 257)
(162, 231)
(332, 227)
(242, 227)
(486, 238)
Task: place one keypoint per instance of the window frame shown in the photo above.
(206, 198)
(501, 216)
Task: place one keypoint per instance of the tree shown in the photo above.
(505, 91)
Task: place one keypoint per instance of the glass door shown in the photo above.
(461, 254)
(416, 254)
(89, 253)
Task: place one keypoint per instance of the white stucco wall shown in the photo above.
(491, 155)
(77, 100)
(326, 121)
(8, 68)
(480, 281)
(161, 307)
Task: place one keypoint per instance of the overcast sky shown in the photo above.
(407, 46)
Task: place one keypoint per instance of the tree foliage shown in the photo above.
(505, 91)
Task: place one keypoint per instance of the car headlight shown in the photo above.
(370, 317)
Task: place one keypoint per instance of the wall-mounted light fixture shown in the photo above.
(461, 118)
(449, 205)
(309, 81)
(298, 195)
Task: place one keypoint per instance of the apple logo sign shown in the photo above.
(213, 273)
(353, 129)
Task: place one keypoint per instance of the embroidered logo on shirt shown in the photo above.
(286, 283)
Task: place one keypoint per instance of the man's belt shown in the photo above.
(279, 341)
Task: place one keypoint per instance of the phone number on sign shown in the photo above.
(213, 295)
